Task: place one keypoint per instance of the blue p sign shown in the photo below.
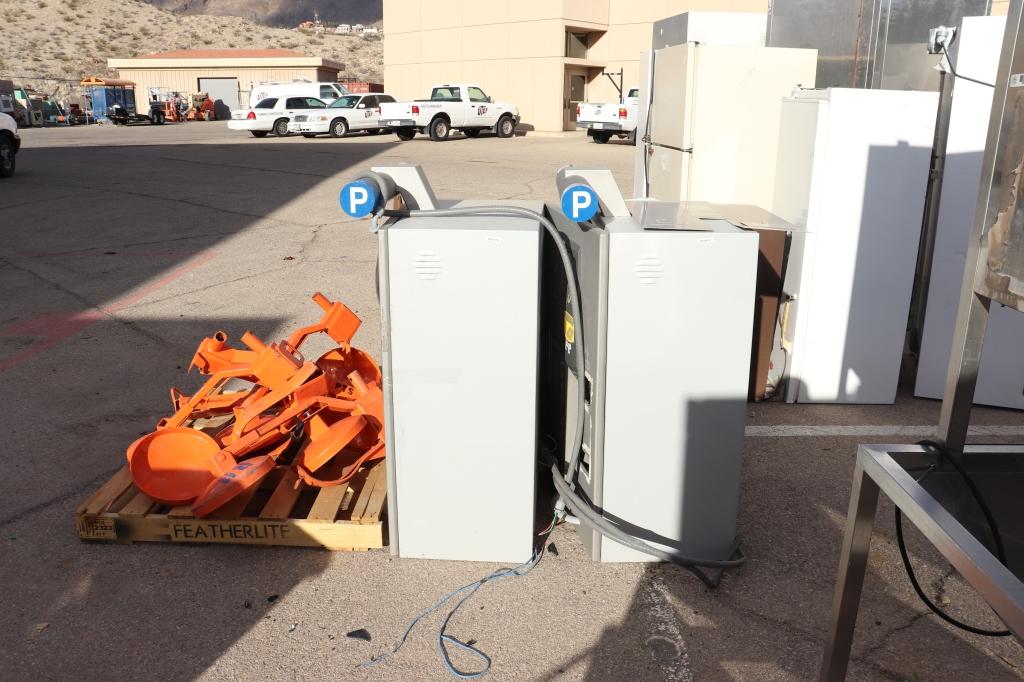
(579, 202)
(359, 198)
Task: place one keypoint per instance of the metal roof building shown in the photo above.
(228, 75)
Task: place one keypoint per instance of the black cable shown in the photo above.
(975, 492)
(993, 528)
(949, 62)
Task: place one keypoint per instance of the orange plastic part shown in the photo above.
(347, 470)
(332, 441)
(338, 322)
(369, 403)
(214, 355)
(335, 405)
(230, 484)
(175, 465)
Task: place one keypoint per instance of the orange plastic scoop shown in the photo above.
(240, 478)
(175, 465)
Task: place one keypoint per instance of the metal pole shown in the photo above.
(853, 563)
(964, 360)
(933, 196)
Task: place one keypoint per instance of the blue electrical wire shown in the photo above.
(443, 638)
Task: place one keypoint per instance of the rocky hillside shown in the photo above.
(46, 40)
(286, 13)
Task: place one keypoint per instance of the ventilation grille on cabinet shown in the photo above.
(427, 265)
(648, 269)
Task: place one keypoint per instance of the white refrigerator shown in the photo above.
(713, 121)
(853, 169)
(1001, 373)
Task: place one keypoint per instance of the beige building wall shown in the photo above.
(517, 51)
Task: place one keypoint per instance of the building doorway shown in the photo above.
(224, 93)
(575, 92)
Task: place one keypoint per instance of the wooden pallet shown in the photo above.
(345, 517)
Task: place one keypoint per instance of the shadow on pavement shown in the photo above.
(769, 619)
(111, 264)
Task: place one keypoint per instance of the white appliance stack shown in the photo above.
(710, 107)
(853, 168)
(705, 143)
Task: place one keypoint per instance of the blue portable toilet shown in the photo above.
(105, 92)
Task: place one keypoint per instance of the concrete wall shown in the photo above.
(516, 51)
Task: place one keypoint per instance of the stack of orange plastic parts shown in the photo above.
(325, 417)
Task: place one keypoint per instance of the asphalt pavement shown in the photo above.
(121, 248)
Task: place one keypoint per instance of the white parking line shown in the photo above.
(791, 430)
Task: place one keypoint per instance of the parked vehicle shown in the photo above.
(273, 115)
(606, 120)
(111, 100)
(344, 115)
(325, 92)
(10, 143)
(459, 106)
(6, 97)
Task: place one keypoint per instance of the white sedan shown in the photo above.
(345, 114)
(273, 114)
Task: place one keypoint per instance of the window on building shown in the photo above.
(576, 45)
(577, 88)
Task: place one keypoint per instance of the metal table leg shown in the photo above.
(853, 564)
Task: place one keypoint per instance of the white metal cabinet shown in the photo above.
(460, 306)
(853, 167)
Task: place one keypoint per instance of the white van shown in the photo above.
(326, 92)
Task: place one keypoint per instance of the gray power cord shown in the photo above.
(565, 483)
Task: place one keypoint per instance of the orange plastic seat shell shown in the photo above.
(176, 464)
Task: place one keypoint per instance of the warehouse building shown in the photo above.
(543, 55)
(227, 75)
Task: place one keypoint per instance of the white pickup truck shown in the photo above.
(602, 121)
(458, 106)
(10, 143)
